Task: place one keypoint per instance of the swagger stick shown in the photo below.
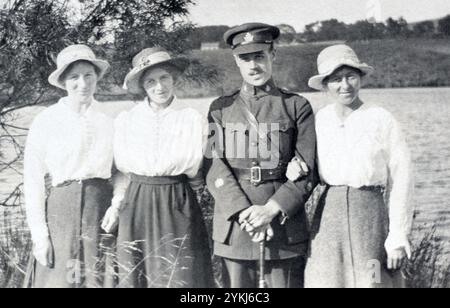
(262, 264)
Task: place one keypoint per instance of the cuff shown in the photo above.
(116, 202)
(40, 236)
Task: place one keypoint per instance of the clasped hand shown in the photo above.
(256, 221)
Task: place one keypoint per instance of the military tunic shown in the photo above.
(291, 133)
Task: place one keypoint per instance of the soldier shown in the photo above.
(257, 131)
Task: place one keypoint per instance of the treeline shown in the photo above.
(334, 29)
(366, 30)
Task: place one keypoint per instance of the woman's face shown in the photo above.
(159, 85)
(344, 85)
(81, 81)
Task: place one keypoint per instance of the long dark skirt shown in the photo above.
(348, 236)
(162, 239)
(74, 214)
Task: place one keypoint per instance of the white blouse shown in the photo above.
(67, 146)
(168, 142)
(369, 149)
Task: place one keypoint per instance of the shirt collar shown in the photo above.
(64, 102)
(169, 108)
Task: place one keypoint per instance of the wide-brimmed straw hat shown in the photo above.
(73, 54)
(151, 58)
(333, 58)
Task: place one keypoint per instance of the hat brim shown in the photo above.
(251, 48)
(131, 83)
(228, 35)
(316, 82)
(54, 78)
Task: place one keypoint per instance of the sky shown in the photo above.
(299, 13)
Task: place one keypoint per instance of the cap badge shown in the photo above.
(248, 38)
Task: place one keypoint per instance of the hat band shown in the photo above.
(251, 43)
(152, 59)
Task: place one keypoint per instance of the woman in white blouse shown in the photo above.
(361, 227)
(158, 147)
(70, 143)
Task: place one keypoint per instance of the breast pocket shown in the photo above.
(236, 141)
(281, 137)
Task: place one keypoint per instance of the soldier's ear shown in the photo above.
(274, 52)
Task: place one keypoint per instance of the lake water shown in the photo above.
(424, 114)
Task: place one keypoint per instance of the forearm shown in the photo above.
(121, 182)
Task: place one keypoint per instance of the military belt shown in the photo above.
(257, 175)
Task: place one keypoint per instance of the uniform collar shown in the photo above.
(249, 90)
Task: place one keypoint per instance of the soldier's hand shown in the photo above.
(297, 169)
(266, 234)
(259, 216)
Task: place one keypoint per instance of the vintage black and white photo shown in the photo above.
(206, 144)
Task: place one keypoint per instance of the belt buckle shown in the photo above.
(255, 175)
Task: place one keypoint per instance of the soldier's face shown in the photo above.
(256, 68)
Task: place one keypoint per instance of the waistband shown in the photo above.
(159, 180)
(380, 189)
(94, 181)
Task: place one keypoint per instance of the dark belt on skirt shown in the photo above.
(378, 189)
(159, 180)
(256, 175)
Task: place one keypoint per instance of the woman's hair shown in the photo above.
(361, 73)
(63, 76)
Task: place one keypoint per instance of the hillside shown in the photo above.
(398, 63)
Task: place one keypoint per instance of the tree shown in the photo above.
(425, 28)
(444, 25)
(287, 35)
(310, 33)
(332, 30)
(32, 32)
(397, 28)
(365, 30)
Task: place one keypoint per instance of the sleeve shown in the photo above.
(220, 180)
(35, 171)
(120, 181)
(399, 189)
(120, 178)
(292, 196)
(198, 180)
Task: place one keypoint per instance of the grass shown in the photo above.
(429, 266)
(15, 247)
(398, 63)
